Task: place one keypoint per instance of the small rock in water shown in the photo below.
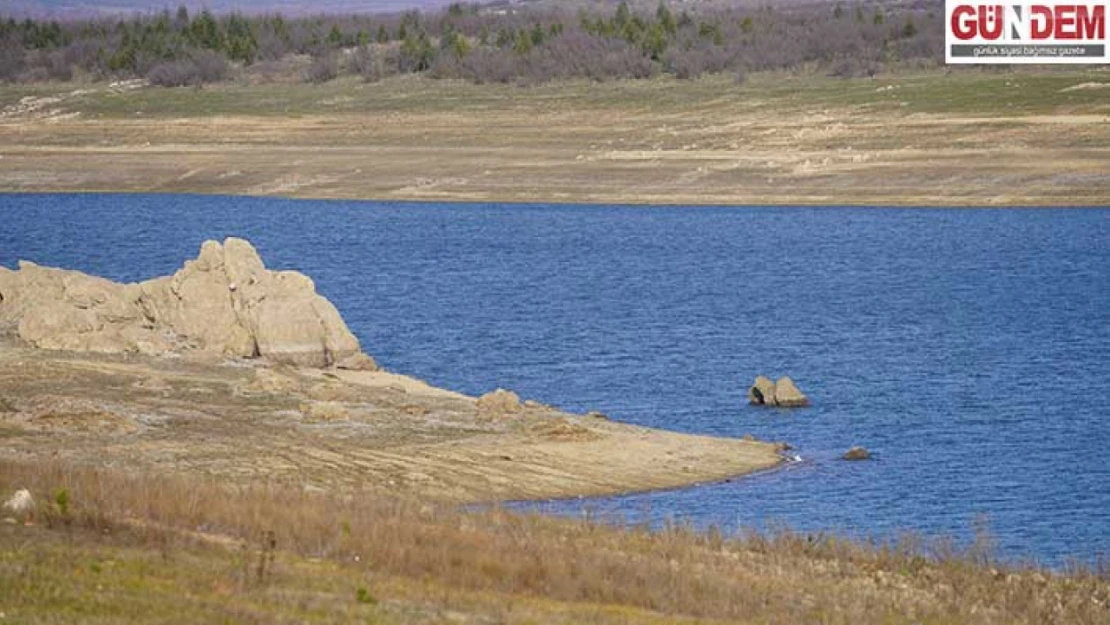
(762, 392)
(857, 453)
(788, 395)
(782, 393)
(597, 414)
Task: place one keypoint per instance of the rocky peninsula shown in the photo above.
(229, 370)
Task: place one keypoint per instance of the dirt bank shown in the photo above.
(333, 430)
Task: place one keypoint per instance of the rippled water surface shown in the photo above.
(969, 349)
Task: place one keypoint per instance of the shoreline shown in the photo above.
(633, 204)
(229, 370)
(345, 431)
(1022, 138)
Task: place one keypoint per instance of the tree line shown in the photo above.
(480, 44)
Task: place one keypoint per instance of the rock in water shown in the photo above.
(762, 392)
(857, 453)
(224, 302)
(787, 394)
(783, 393)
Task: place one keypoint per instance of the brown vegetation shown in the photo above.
(674, 572)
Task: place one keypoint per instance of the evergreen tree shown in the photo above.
(537, 35)
(622, 15)
(665, 19)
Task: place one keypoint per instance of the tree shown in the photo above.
(416, 53)
(665, 19)
(622, 15)
(909, 29)
(204, 31)
(537, 35)
(241, 43)
(335, 36)
(523, 44)
(655, 41)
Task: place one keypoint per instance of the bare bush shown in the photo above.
(373, 63)
(200, 68)
(322, 69)
(12, 60)
(583, 55)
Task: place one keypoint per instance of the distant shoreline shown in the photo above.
(584, 204)
(927, 139)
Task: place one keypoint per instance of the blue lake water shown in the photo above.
(969, 349)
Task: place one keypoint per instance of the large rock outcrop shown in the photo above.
(225, 302)
(782, 393)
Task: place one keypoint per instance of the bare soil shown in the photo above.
(933, 139)
(333, 430)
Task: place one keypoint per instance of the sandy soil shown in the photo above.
(242, 423)
(754, 146)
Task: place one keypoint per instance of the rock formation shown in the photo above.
(782, 393)
(225, 302)
(500, 402)
(788, 395)
(762, 392)
(856, 453)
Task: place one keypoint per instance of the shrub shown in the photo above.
(12, 61)
(200, 68)
(372, 63)
(322, 69)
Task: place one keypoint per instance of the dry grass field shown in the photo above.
(109, 547)
(936, 138)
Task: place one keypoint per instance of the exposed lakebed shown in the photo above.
(967, 349)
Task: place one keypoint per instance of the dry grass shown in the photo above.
(676, 572)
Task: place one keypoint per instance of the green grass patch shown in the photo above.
(970, 92)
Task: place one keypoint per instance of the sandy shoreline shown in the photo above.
(694, 202)
(335, 431)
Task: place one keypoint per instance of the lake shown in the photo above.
(968, 349)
